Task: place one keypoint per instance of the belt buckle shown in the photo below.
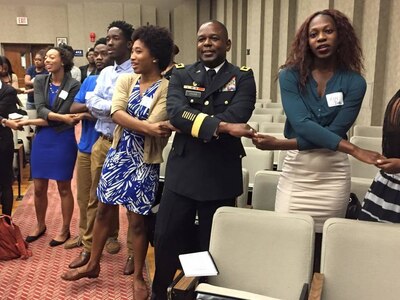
(107, 138)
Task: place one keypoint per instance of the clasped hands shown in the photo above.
(162, 129)
(73, 119)
(389, 165)
(261, 141)
(70, 119)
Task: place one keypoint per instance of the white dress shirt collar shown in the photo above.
(217, 68)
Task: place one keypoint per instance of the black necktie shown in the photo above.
(210, 75)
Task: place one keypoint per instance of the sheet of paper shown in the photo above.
(198, 264)
(15, 116)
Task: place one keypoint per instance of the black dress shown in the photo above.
(382, 201)
(8, 105)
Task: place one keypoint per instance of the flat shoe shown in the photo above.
(129, 266)
(54, 243)
(32, 238)
(73, 275)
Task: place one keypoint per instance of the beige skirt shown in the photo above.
(314, 182)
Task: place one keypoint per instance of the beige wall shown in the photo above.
(261, 33)
(271, 25)
(45, 23)
(75, 21)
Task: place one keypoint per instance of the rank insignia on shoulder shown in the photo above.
(179, 66)
(245, 69)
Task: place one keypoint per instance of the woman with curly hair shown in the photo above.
(131, 170)
(322, 91)
(54, 146)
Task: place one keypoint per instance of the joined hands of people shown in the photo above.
(161, 129)
(237, 129)
(264, 142)
(72, 119)
(20, 123)
(84, 116)
(367, 156)
(389, 165)
(14, 124)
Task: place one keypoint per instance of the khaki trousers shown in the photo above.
(84, 182)
(99, 153)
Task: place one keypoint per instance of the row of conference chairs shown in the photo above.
(263, 255)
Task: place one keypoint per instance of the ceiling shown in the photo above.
(157, 3)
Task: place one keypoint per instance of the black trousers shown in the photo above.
(176, 233)
(317, 252)
(6, 170)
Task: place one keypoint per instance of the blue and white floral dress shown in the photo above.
(126, 179)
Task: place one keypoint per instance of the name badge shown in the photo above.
(194, 94)
(63, 94)
(146, 101)
(335, 99)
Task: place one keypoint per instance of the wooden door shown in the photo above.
(21, 57)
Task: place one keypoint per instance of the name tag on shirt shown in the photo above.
(146, 101)
(335, 99)
(63, 95)
(194, 94)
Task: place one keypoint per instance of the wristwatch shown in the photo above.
(3, 122)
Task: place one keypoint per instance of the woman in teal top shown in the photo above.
(322, 92)
(321, 121)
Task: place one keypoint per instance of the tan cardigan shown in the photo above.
(153, 146)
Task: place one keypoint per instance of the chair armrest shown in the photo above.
(182, 288)
(207, 291)
(316, 287)
(304, 292)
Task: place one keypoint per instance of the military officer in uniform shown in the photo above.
(208, 103)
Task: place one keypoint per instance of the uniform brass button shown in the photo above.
(226, 102)
(206, 102)
(191, 101)
(240, 156)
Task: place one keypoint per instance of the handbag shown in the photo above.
(12, 245)
(353, 208)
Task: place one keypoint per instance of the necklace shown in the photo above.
(53, 88)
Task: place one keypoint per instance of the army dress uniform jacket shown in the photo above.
(201, 165)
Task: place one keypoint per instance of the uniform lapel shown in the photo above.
(222, 77)
(198, 75)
